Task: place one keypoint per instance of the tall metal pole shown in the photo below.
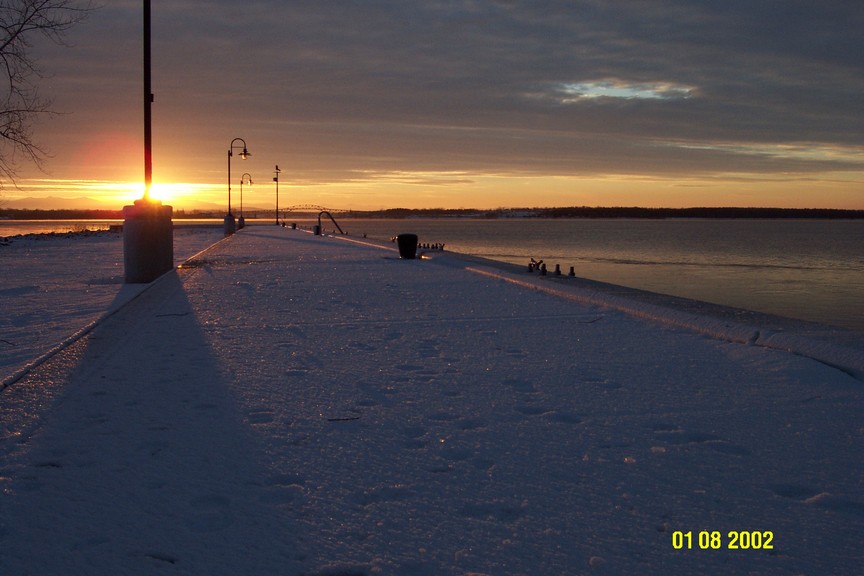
(276, 179)
(148, 233)
(229, 222)
(148, 101)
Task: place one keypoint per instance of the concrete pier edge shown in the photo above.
(848, 360)
(844, 358)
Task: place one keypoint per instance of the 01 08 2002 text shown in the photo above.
(715, 540)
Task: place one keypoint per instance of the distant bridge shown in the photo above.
(310, 208)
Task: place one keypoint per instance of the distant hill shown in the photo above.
(53, 203)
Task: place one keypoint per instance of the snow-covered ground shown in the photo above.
(52, 285)
(291, 404)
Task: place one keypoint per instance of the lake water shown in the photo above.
(807, 269)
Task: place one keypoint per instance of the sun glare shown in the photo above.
(165, 192)
(188, 195)
(183, 194)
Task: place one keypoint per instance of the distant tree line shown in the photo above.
(756, 213)
(612, 212)
(24, 214)
(399, 213)
(574, 212)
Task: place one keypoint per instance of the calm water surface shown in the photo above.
(807, 269)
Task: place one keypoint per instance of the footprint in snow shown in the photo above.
(529, 410)
(814, 497)
(415, 437)
(442, 416)
(563, 417)
(675, 435)
(519, 385)
(160, 557)
(383, 494)
(260, 416)
(793, 491)
(209, 514)
(494, 510)
(283, 489)
(341, 570)
(472, 424)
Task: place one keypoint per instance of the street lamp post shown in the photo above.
(241, 222)
(148, 105)
(148, 233)
(230, 226)
(276, 179)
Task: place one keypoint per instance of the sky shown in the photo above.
(474, 104)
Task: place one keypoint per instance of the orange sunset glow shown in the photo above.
(420, 106)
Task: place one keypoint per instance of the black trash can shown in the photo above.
(407, 246)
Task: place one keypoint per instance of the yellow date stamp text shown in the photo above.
(715, 540)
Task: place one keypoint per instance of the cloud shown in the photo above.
(485, 87)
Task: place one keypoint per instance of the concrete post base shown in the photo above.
(148, 241)
(229, 224)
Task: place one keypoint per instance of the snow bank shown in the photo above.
(56, 287)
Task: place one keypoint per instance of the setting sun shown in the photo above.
(186, 194)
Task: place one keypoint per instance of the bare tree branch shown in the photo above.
(23, 22)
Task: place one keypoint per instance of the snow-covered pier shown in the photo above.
(294, 404)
